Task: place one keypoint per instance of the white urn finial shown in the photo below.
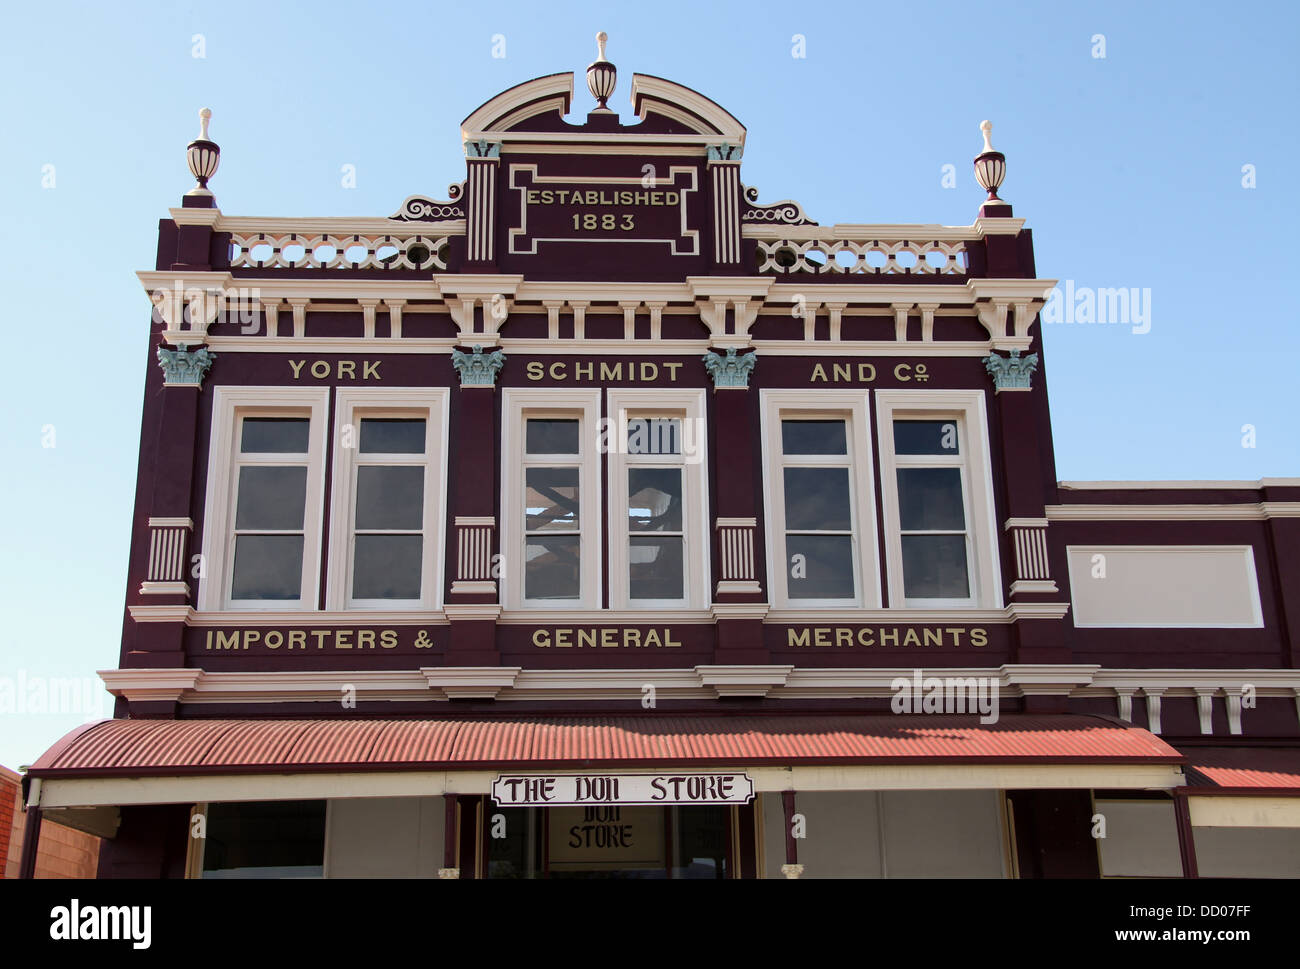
(601, 75)
(203, 156)
(987, 128)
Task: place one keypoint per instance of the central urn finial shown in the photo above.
(601, 75)
(203, 156)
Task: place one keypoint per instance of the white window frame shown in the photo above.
(229, 406)
(852, 406)
(687, 405)
(518, 404)
(352, 405)
(982, 564)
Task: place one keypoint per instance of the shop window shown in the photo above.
(264, 839)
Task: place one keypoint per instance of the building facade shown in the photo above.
(600, 520)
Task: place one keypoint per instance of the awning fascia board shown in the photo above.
(1244, 811)
(185, 789)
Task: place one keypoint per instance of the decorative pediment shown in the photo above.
(549, 95)
(654, 95)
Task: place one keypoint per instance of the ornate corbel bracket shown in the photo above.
(183, 367)
(478, 369)
(1012, 372)
(730, 372)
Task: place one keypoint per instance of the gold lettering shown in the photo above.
(251, 636)
(889, 638)
(387, 638)
(371, 370)
(900, 375)
(821, 637)
(608, 637)
(298, 637)
(296, 366)
(865, 638)
(558, 364)
(642, 198)
(837, 368)
(535, 370)
(365, 639)
(540, 639)
(843, 637)
(652, 638)
(656, 198)
(649, 374)
(532, 196)
(796, 637)
(320, 369)
(669, 641)
(933, 637)
(631, 637)
(608, 373)
(978, 637)
(672, 371)
(587, 637)
(343, 639)
(671, 198)
(279, 639)
(583, 371)
(230, 641)
(348, 365)
(866, 372)
(563, 638)
(911, 638)
(819, 373)
(320, 635)
(957, 633)
(547, 197)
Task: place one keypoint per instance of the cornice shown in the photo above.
(1259, 511)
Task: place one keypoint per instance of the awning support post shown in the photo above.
(451, 840)
(1186, 838)
(791, 868)
(31, 838)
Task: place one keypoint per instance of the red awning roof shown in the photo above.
(166, 747)
(1230, 770)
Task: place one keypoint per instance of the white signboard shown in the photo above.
(541, 790)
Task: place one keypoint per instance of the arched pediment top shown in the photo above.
(542, 95)
(654, 95)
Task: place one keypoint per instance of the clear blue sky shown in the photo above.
(1128, 168)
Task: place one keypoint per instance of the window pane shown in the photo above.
(387, 567)
(392, 435)
(271, 499)
(267, 567)
(551, 499)
(814, 437)
(654, 499)
(266, 839)
(274, 435)
(825, 570)
(926, 437)
(654, 435)
(929, 499)
(934, 567)
(551, 436)
(390, 497)
(551, 567)
(655, 568)
(817, 499)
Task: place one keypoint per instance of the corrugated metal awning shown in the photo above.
(1233, 770)
(132, 748)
